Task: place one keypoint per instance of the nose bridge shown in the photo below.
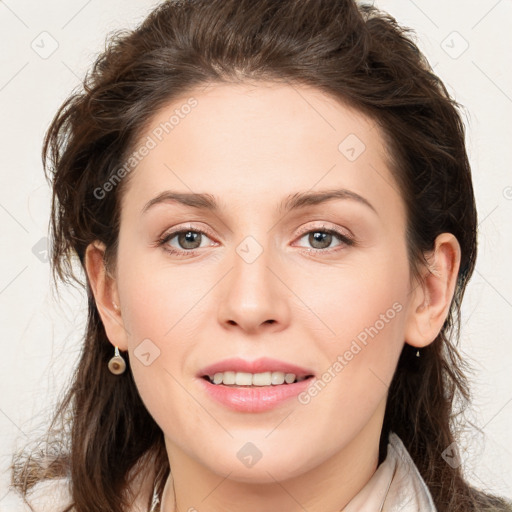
(253, 295)
(251, 262)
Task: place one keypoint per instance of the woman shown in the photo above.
(272, 204)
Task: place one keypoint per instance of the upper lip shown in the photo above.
(264, 364)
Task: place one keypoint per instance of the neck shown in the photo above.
(328, 486)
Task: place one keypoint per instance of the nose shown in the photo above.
(253, 297)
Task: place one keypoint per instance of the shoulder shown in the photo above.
(46, 496)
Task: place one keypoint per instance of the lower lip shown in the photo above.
(254, 399)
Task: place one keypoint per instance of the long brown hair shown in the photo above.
(353, 52)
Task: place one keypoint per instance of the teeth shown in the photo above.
(253, 379)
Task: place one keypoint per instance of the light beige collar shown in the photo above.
(396, 485)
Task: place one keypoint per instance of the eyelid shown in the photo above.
(325, 226)
(187, 226)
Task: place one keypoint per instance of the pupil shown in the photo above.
(318, 236)
(188, 238)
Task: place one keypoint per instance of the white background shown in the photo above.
(40, 335)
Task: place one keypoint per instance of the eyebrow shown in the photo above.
(292, 202)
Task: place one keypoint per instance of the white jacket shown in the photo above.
(396, 486)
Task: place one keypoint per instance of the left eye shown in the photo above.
(321, 238)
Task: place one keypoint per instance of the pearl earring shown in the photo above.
(117, 364)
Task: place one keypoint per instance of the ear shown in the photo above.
(432, 297)
(104, 289)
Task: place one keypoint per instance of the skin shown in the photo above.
(251, 146)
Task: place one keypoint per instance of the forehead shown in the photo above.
(260, 141)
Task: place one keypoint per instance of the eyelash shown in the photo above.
(344, 239)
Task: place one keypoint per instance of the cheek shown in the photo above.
(363, 310)
(160, 299)
(164, 309)
(351, 299)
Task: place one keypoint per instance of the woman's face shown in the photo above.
(263, 275)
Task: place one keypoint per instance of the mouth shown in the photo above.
(245, 392)
(264, 371)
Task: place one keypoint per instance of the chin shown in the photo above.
(261, 472)
(260, 462)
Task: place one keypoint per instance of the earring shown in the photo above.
(417, 353)
(117, 364)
